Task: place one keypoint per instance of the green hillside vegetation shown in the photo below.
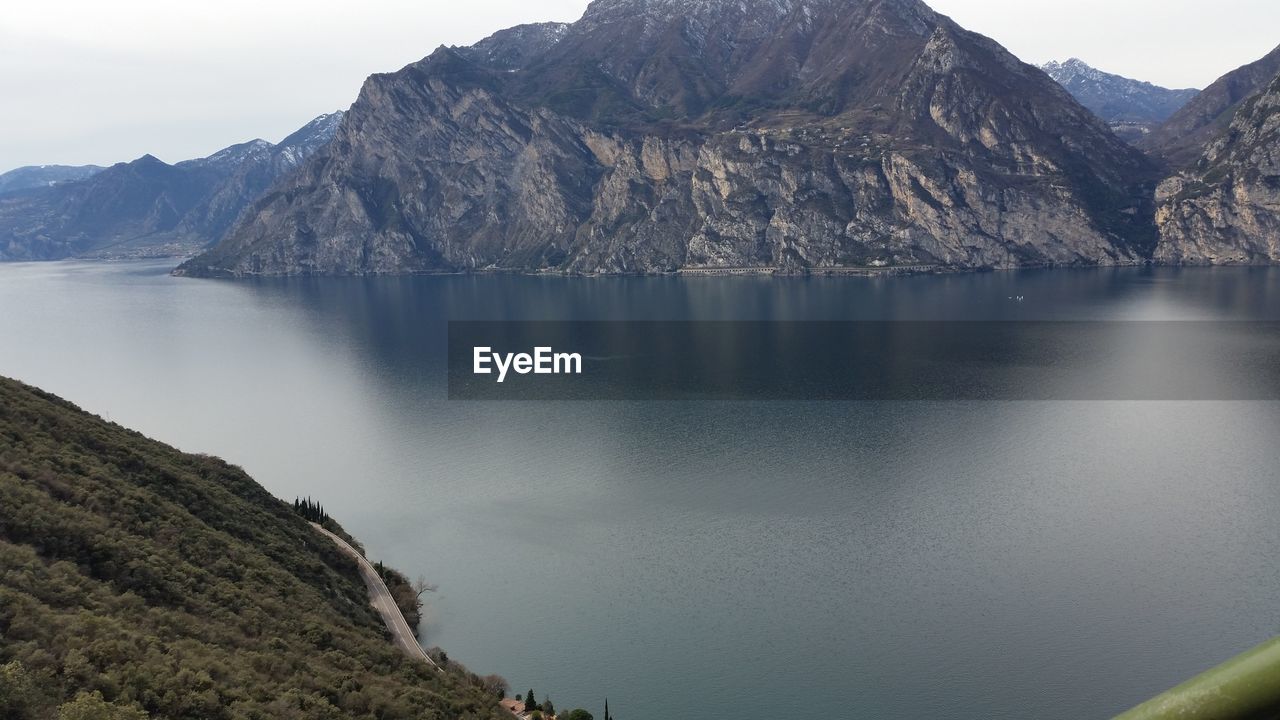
(138, 581)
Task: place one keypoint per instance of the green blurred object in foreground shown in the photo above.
(1244, 688)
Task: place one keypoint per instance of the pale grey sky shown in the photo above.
(88, 81)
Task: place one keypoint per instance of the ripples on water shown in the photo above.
(732, 559)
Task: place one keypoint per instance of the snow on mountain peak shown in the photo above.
(1119, 100)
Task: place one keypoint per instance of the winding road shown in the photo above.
(380, 598)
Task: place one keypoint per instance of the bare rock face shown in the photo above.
(1181, 140)
(654, 135)
(1226, 210)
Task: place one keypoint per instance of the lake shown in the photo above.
(718, 560)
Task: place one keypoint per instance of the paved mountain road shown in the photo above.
(380, 598)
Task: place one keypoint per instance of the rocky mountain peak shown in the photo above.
(670, 9)
(308, 139)
(653, 135)
(1132, 108)
(1072, 68)
(1075, 70)
(700, 21)
(235, 154)
(319, 130)
(515, 47)
(633, 62)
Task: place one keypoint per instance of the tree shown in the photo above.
(530, 704)
(577, 714)
(496, 684)
(421, 586)
(18, 693)
(606, 709)
(201, 596)
(310, 510)
(547, 707)
(88, 706)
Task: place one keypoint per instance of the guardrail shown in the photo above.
(1244, 688)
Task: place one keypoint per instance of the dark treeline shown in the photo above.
(310, 510)
(545, 709)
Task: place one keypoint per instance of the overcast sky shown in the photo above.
(88, 81)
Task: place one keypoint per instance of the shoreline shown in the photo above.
(402, 635)
(858, 271)
(704, 271)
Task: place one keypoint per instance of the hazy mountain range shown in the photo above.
(1131, 107)
(145, 207)
(41, 176)
(657, 135)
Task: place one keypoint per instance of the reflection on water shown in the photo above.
(716, 560)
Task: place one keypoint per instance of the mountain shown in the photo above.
(39, 176)
(246, 171)
(148, 207)
(1181, 139)
(139, 581)
(513, 48)
(653, 135)
(1226, 209)
(1131, 107)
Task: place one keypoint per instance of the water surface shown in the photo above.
(721, 560)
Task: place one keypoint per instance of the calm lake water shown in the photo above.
(721, 560)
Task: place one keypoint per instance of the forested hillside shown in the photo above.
(138, 581)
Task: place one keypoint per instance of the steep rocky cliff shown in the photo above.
(653, 135)
(148, 207)
(1226, 210)
(1180, 141)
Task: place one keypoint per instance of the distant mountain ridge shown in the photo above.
(654, 135)
(1131, 107)
(150, 208)
(40, 176)
(512, 48)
